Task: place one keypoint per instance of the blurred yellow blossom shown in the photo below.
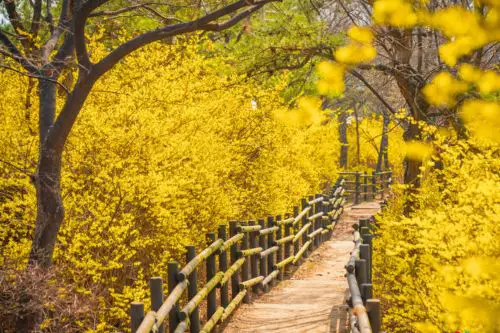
(355, 54)
(331, 81)
(398, 13)
(418, 150)
(443, 89)
(482, 118)
(361, 34)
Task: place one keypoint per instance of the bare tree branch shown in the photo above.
(62, 26)
(203, 23)
(118, 11)
(36, 77)
(373, 90)
(80, 20)
(16, 54)
(36, 19)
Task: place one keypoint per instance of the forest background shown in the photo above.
(204, 127)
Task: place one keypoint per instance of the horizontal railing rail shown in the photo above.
(361, 186)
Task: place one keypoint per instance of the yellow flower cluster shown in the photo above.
(370, 131)
(466, 28)
(360, 50)
(331, 81)
(437, 270)
(487, 82)
(443, 89)
(418, 150)
(398, 13)
(482, 119)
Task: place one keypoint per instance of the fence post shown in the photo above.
(364, 253)
(287, 233)
(156, 292)
(313, 223)
(304, 205)
(279, 254)
(136, 315)
(374, 314)
(211, 270)
(194, 317)
(245, 269)
(325, 219)
(360, 270)
(224, 290)
(296, 228)
(365, 186)
(263, 245)
(173, 316)
(235, 279)
(270, 243)
(254, 268)
(374, 185)
(356, 191)
(317, 221)
(366, 291)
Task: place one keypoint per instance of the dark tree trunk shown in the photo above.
(358, 153)
(50, 209)
(53, 135)
(382, 160)
(411, 170)
(344, 146)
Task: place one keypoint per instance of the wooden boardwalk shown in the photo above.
(314, 294)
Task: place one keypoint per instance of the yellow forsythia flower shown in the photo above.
(443, 89)
(332, 78)
(469, 73)
(482, 118)
(355, 54)
(418, 150)
(360, 34)
(394, 12)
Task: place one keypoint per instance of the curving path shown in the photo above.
(312, 300)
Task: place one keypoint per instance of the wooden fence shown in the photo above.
(362, 186)
(260, 254)
(365, 314)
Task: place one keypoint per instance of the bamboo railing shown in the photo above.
(365, 314)
(252, 258)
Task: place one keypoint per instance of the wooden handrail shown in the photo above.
(303, 231)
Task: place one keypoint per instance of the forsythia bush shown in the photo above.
(370, 132)
(169, 145)
(437, 270)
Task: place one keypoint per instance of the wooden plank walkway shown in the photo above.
(304, 303)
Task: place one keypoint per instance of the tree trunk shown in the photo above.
(50, 209)
(358, 153)
(53, 135)
(412, 170)
(384, 144)
(344, 146)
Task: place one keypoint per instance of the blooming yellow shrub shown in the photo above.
(370, 131)
(437, 270)
(169, 145)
